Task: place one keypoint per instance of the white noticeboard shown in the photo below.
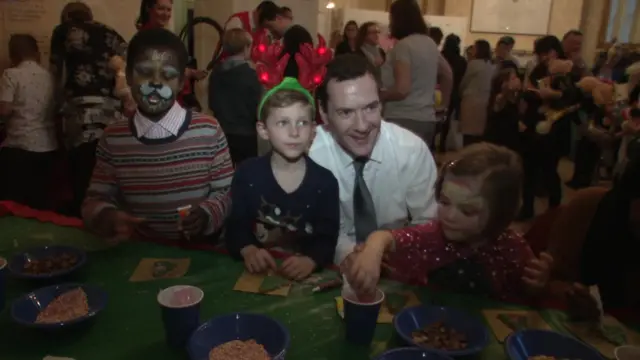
(525, 17)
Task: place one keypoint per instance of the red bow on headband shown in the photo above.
(270, 68)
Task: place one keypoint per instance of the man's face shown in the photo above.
(354, 114)
(502, 51)
(289, 129)
(463, 211)
(155, 81)
(277, 26)
(572, 45)
(547, 57)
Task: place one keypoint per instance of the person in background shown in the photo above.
(234, 95)
(79, 62)
(248, 21)
(412, 70)
(475, 90)
(284, 198)
(458, 64)
(154, 14)
(572, 47)
(292, 36)
(26, 104)
(287, 12)
(504, 123)
(468, 53)
(542, 155)
(503, 51)
(595, 239)
(162, 159)
(470, 247)
(386, 173)
(349, 44)
(435, 33)
(368, 44)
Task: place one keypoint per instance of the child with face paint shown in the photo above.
(284, 197)
(469, 248)
(163, 158)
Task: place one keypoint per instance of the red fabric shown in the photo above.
(422, 249)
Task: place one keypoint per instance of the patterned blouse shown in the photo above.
(81, 51)
(494, 268)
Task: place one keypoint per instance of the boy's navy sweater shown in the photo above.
(309, 216)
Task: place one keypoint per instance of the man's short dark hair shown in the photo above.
(343, 68)
(548, 43)
(264, 4)
(22, 46)
(507, 40)
(268, 11)
(156, 39)
(573, 32)
(436, 34)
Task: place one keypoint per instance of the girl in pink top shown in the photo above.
(470, 247)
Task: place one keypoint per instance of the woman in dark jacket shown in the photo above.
(458, 64)
(349, 35)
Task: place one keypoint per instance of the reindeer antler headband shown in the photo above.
(270, 66)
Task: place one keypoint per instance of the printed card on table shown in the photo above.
(604, 338)
(267, 284)
(504, 322)
(155, 269)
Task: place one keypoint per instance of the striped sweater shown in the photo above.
(151, 178)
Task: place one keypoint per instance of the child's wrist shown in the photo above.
(248, 250)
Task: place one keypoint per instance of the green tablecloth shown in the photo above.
(130, 327)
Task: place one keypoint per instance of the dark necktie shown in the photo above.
(363, 209)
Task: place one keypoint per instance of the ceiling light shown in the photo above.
(331, 5)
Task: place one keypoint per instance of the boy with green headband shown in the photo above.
(284, 198)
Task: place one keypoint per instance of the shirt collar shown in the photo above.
(172, 121)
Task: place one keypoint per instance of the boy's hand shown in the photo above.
(119, 225)
(196, 222)
(537, 270)
(257, 260)
(297, 267)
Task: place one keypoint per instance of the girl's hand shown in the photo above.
(364, 270)
(537, 271)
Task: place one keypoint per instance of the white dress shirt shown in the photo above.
(28, 87)
(168, 126)
(400, 175)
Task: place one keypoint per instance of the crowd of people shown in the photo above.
(361, 190)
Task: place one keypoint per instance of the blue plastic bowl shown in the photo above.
(18, 261)
(239, 326)
(26, 308)
(417, 317)
(523, 344)
(411, 353)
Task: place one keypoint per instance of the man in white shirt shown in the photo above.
(386, 173)
(26, 99)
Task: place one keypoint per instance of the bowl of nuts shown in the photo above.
(47, 262)
(442, 330)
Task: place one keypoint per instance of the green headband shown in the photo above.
(291, 84)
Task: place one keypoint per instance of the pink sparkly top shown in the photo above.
(422, 251)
